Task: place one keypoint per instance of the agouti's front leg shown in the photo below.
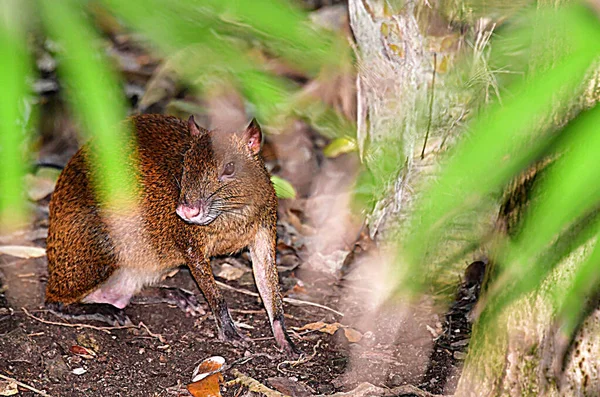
(262, 251)
(202, 272)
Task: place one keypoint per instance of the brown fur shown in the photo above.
(86, 246)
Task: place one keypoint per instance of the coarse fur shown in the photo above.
(103, 256)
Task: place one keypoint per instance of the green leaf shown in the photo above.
(570, 191)
(95, 97)
(283, 188)
(14, 70)
(339, 146)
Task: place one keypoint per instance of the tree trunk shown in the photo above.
(411, 108)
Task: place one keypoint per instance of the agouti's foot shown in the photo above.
(228, 331)
(183, 299)
(101, 312)
(283, 339)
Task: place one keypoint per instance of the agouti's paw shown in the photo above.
(183, 299)
(228, 332)
(283, 339)
(101, 312)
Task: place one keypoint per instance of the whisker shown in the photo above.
(177, 181)
(216, 191)
(229, 205)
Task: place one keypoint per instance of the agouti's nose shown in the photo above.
(187, 212)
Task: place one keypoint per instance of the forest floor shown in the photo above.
(353, 344)
(158, 355)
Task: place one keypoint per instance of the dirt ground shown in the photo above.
(157, 358)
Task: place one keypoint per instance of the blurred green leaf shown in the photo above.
(202, 46)
(340, 146)
(584, 284)
(14, 70)
(93, 94)
(283, 188)
(570, 190)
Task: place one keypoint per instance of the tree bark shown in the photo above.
(410, 108)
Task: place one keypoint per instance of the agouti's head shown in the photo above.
(223, 175)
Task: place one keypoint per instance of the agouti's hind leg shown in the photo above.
(122, 285)
(101, 312)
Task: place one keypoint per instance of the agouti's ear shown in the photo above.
(253, 136)
(193, 127)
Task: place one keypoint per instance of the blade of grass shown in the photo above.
(570, 191)
(205, 51)
(14, 70)
(93, 94)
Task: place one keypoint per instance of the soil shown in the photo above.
(159, 357)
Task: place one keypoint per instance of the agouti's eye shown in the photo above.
(229, 169)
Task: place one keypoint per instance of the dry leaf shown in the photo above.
(82, 351)
(22, 251)
(8, 388)
(323, 327)
(230, 273)
(352, 335)
(205, 379)
(39, 186)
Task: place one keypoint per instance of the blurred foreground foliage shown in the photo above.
(202, 41)
(542, 117)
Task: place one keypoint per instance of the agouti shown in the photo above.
(201, 193)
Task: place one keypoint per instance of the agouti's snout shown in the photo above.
(199, 213)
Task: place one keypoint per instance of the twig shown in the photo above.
(157, 336)
(301, 360)
(253, 385)
(25, 386)
(291, 301)
(76, 325)
(430, 106)
(103, 329)
(299, 302)
(366, 389)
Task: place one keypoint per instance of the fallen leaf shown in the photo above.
(206, 379)
(290, 387)
(322, 327)
(22, 251)
(352, 335)
(161, 86)
(230, 273)
(8, 388)
(283, 188)
(298, 289)
(39, 186)
(83, 352)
